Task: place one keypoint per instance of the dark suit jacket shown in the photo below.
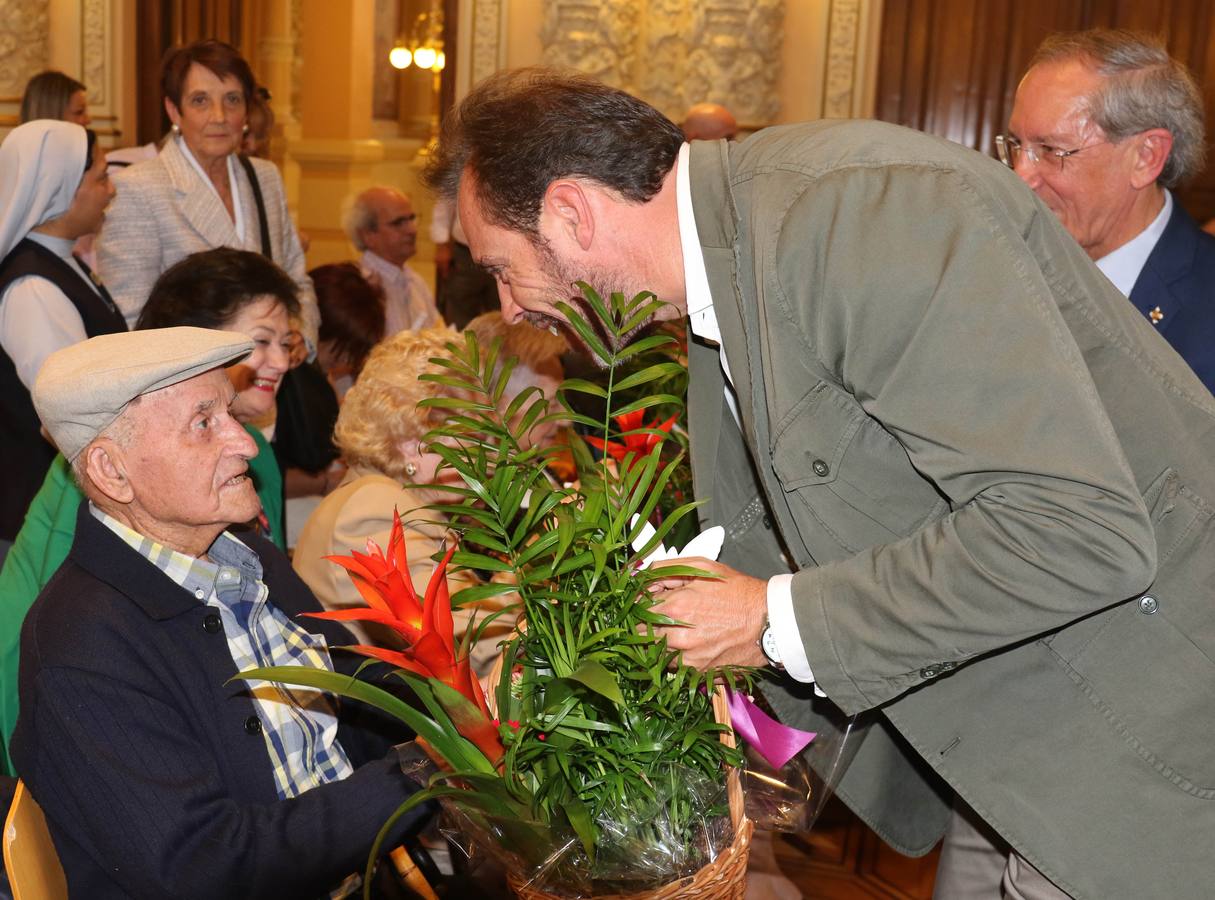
(1179, 278)
(150, 768)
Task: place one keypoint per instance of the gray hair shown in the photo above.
(358, 216)
(1143, 88)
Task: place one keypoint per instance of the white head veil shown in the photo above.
(41, 165)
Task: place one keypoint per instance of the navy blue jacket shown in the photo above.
(152, 771)
(1179, 278)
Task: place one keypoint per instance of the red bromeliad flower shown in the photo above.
(424, 623)
(638, 444)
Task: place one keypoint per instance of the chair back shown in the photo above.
(33, 868)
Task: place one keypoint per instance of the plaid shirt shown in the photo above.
(298, 724)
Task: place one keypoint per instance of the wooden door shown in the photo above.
(951, 67)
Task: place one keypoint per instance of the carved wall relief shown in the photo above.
(23, 45)
(593, 37)
(674, 52)
(735, 57)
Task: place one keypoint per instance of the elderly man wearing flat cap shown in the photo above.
(158, 777)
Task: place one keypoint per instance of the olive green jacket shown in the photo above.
(995, 482)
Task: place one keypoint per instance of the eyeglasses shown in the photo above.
(1010, 149)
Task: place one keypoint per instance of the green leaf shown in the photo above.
(478, 592)
(580, 820)
(649, 374)
(645, 345)
(599, 680)
(347, 686)
(480, 561)
(582, 386)
(585, 331)
(645, 403)
(453, 403)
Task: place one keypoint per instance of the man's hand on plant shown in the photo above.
(724, 615)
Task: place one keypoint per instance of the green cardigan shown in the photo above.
(43, 544)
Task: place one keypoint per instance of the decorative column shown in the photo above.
(335, 151)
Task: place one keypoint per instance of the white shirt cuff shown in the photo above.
(784, 626)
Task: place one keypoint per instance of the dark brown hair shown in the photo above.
(222, 59)
(352, 311)
(520, 130)
(208, 289)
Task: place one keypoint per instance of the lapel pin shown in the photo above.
(1156, 315)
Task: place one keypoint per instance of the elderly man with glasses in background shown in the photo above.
(1103, 125)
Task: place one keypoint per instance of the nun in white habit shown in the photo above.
(53, 189)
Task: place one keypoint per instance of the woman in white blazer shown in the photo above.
(199, 193)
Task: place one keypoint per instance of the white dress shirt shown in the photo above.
(408, 303)
(445, 223)
(1122, 266)
(702, 319)
(36, 318)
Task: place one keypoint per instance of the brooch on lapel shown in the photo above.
(1156, 315)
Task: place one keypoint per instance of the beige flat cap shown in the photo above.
(81, 389)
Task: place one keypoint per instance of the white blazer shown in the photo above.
(163, 212)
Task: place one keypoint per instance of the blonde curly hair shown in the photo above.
(380, 413)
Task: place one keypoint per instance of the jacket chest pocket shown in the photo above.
(842, 473)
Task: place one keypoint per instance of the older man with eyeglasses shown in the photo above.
(1103, 125)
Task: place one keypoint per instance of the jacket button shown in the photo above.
(253, 725)
(948, 666)
(1148, 605)
(767, 521)
(212, 624)
(929, 672)
(821, 469)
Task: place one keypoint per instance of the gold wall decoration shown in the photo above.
(598, 38)
(675, 52)
(23, 49)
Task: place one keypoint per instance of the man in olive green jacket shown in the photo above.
(992, 478)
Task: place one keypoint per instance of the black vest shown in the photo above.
(26, 455)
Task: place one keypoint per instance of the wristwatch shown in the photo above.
(767, 643)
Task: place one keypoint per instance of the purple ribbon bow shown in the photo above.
(775, 742)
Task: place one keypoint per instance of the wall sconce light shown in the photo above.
(400, 56)
(424, 48)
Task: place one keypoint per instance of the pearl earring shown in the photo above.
(411, 469)
(175, 128)
(245, 129)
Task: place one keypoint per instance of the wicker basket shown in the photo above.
(723, 879)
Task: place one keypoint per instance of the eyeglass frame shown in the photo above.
(1006, 145)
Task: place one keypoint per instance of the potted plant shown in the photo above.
(596, 764)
